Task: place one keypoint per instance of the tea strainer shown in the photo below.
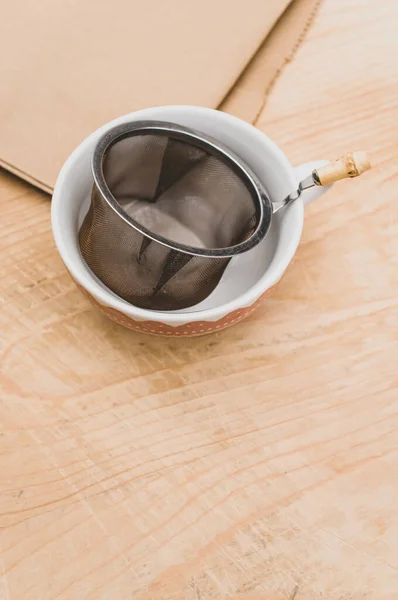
(170, 207)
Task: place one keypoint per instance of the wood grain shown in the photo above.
(259, 463)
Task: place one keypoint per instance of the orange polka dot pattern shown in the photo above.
(194, 328)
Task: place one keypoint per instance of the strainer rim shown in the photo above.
(119, 132)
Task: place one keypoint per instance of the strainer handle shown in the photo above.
(351, 164)
(316, 177)
(305, 170)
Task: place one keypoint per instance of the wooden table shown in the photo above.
(257, 463)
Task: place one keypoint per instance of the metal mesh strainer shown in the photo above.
(169, 208)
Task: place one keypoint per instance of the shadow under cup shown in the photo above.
(167, 215)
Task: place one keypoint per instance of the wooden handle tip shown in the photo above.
(352, 164)
(361, 161)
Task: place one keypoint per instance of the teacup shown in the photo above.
(248, 279)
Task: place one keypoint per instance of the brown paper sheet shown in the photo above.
(248, 96)
(68, 67)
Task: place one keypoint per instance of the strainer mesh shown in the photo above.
(180, 193)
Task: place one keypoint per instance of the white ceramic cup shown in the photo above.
(248, 278)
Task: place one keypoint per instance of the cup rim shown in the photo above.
(107, 297)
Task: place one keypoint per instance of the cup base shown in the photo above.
(193, 329)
